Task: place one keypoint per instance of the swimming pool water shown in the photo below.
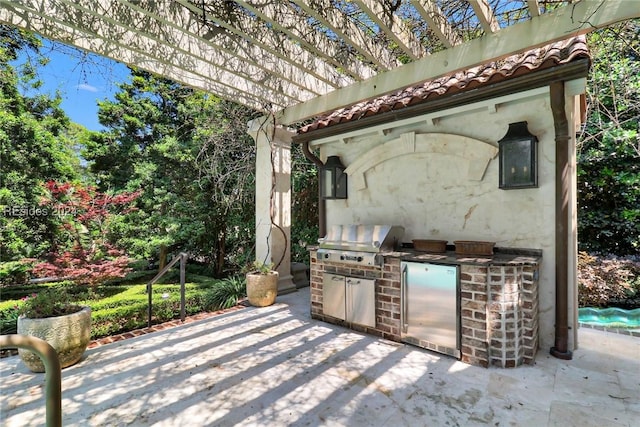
(611, 317)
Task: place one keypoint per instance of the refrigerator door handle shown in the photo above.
(404, 321)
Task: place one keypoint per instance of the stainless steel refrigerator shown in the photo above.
(430, 305)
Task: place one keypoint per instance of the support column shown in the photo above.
(273, 197)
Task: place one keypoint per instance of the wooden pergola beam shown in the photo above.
(534, 8)
(485, 15)
(437, 22)
(183, 50)
(394, 27)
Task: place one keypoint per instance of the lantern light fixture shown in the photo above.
(333, 179)
(518, 153)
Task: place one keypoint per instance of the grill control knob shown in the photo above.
(342, 257)
(359, 259)
(326, 256)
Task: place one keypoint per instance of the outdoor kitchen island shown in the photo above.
(497, 301)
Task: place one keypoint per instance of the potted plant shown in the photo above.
(262, 284)
(51, 316)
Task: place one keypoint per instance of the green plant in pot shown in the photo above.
(50, 315)
(262, 284)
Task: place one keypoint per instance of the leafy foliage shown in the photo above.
(35, 146)
(15, 272)
(608, 281)
(116, 308)
(48, 303)
(190, 153)
(226, 293)
(304, 205)
(83, 252)
(609, 146)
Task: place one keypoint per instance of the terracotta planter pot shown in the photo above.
(69, 335)
(262, 289)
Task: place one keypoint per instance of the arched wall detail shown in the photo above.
(475, 152)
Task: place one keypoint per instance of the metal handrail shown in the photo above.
(183, 261)
(52, 372)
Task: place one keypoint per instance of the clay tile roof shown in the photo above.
(513, 66)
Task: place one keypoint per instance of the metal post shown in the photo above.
(183, 262)
(149, 309)
(52, 372)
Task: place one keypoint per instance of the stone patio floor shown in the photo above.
(275, 366)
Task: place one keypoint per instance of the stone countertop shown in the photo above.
(500, 257)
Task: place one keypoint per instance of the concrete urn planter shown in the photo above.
(262, 289)
(69, 335)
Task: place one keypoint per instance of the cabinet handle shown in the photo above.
(404, 321)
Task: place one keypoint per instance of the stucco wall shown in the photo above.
(435, 193)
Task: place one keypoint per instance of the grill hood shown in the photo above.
(363, 238)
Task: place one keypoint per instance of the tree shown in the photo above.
(609, 146)
(189, 152)
(83, 252)
(34, 147)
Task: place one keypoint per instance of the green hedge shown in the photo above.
(119, 308)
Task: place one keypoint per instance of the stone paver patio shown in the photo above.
(275, 366)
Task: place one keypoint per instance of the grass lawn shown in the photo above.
(121, 307)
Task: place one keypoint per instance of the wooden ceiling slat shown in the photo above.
(534, 8)
(391, 24)
(485, 15)
(437, 22)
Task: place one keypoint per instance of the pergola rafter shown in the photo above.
(534, 8)
(382, 13)
(302, 58)
(431, 13)
(485, 15)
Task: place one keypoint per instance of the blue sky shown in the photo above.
(82, 79)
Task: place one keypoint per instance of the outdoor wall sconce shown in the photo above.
(333, 180)
(518, 152)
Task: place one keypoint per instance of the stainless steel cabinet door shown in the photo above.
(361, 301)
(429, 303)
(333, 296)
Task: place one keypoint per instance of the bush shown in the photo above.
(118, 308)
(226, 293)
(608, 281)
(15, 272)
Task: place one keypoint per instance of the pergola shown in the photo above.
(300, 58)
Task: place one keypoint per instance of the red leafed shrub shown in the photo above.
(83, 253)
(607, 280)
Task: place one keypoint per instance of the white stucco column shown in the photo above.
(273, 197)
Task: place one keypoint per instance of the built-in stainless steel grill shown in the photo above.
(359, 244)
